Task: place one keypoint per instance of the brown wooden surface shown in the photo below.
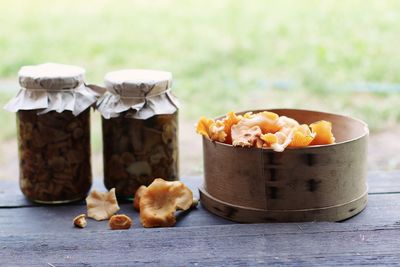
(33, 235)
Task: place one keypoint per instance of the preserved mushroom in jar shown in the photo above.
(53, 129)
(140, 128)
(54, 151)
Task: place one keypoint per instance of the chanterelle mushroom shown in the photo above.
(244, 136)
(80, 221)
(101, 206)
(138, 195)
(160, 200)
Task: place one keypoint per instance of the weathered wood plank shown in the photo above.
(40, 235)
(379, 182)
(383, 211)
(59, 219)
(11, 196)
(224, 245)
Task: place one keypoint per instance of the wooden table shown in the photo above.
(43, 235)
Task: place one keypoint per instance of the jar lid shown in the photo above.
(51, 76)
(138, 82)
(146, 92)
(52, 87)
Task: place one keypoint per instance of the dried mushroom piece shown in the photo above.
(80, 221)
(101, 206)
(120, 222)
(160, 201)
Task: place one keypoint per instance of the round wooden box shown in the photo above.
(317, 183)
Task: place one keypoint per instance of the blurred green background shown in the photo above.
(339, 56)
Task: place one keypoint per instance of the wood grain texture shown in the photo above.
(226, 245)
(44, 236)
(383, 210)
(11, 196)
(251, 215)
(381, 182)
(59, 219)
(378, 181)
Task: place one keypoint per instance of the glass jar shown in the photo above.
(53, 129)
(140, 130)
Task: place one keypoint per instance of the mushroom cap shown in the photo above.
(101, 206)
(120, 222)
(161, 199)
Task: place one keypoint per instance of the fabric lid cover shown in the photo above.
(145, 91)
(52, 87)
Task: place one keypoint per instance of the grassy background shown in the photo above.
(225, 55)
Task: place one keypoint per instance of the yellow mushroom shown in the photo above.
(101, 206)
(138, 194)
(160, 200)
